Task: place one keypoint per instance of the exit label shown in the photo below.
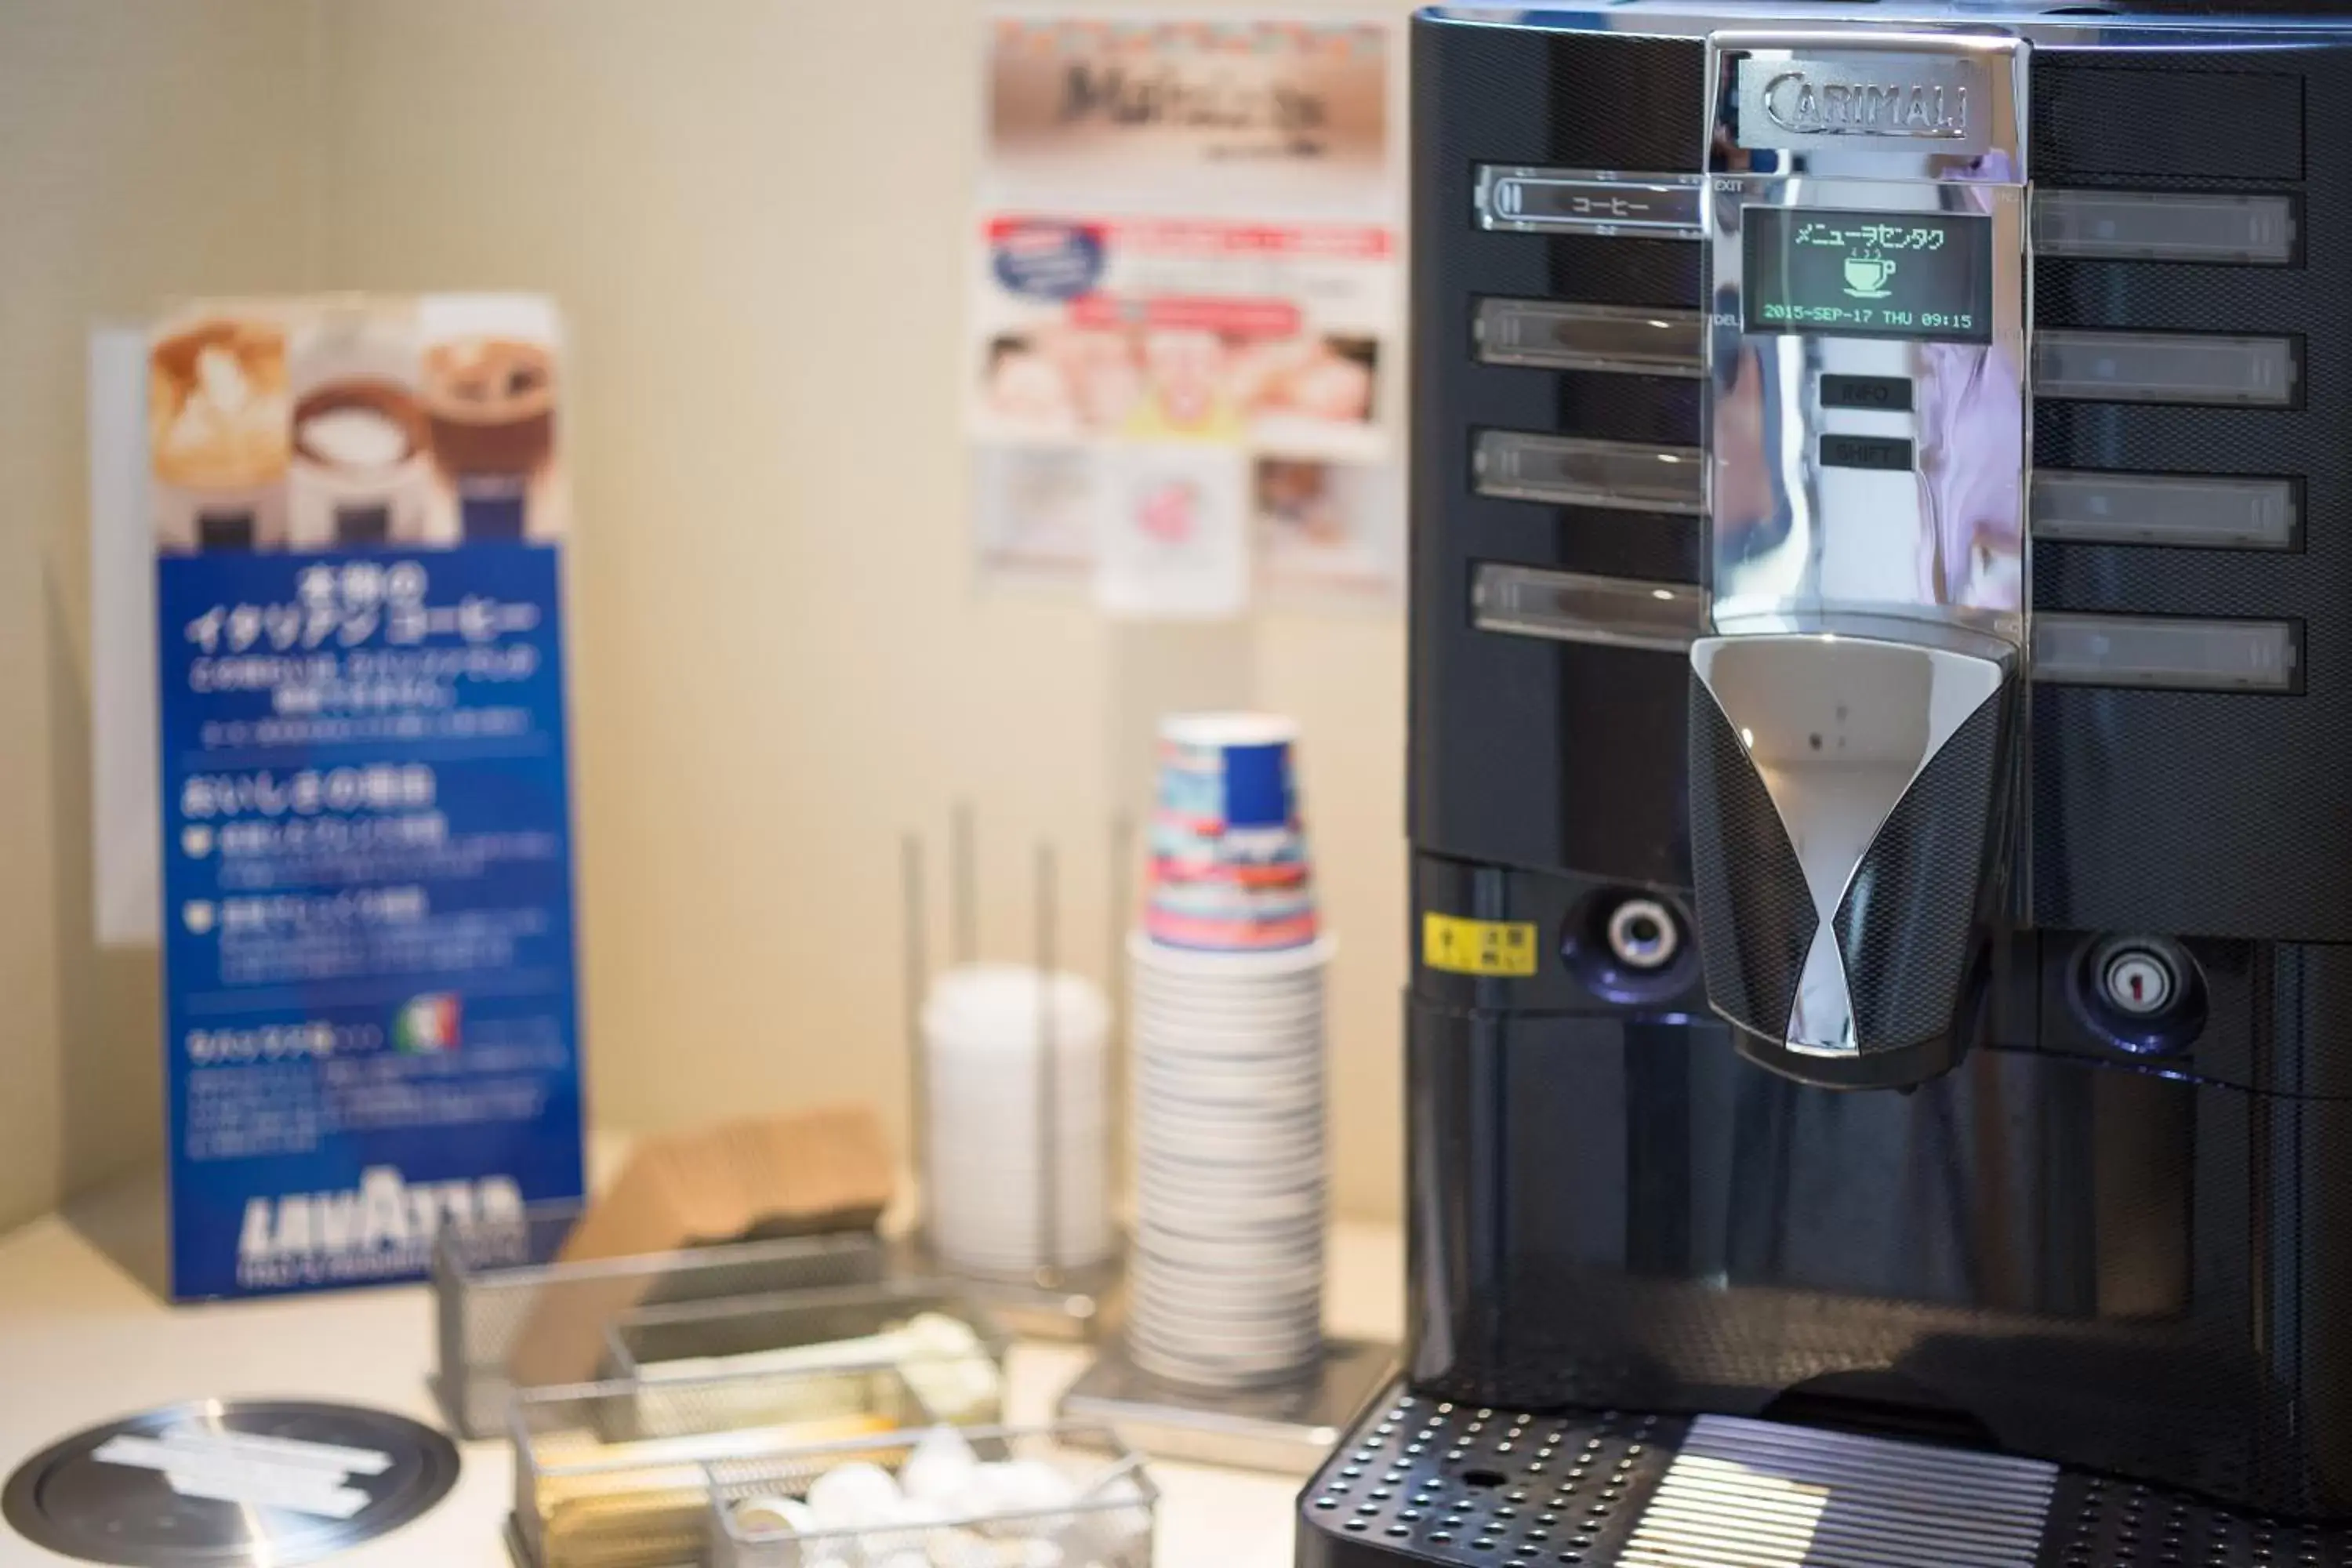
(1459, 946)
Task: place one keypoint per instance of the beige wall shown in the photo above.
(145, 147)
(754, 213)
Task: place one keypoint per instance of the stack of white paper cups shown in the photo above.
(1227, 1269)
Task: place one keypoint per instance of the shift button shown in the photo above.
(1891, 454)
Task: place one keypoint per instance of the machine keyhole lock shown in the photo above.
(1631, 947)
(2144, 994)
(2139, 982)
(1642, 934)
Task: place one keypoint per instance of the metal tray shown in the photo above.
(219, 1481)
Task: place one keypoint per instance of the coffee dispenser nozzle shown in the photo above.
(1847, 795)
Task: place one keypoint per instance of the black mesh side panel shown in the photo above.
(1557, 757)
(1654, 410)
(2107, 119)
(1906, 926)
(1756, 916)
(1669, 273)
(2207, 813)
(1604, 100)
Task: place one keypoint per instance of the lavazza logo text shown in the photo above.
(381, 1228)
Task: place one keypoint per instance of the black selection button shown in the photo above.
(1885, 394)
(2197, 369)
(1665, 206)
(1889, 453)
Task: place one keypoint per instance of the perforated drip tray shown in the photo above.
(1452, 1483)
(1424, 1480)
(2096, 1522)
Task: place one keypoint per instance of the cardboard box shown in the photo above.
(808, 1173)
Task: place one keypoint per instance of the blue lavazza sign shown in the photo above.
(371, 1022)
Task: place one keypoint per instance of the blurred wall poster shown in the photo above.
(371, 1024)
(1185, 371)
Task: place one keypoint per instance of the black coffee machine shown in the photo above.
(1880, 1063)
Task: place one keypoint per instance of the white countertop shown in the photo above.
(83, 1339)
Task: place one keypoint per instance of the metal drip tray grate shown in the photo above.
(1429, 1481)
(1456, 1483)
(1748, 1494)
(2099, 1522)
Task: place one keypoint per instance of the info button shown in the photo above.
(1884, 394)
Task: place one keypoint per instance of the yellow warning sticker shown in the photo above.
(1462, 946)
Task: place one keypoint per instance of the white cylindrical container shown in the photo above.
(1016, 1119)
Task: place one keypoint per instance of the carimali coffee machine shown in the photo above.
(1880, 1066)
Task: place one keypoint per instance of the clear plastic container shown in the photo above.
(949, 1349)
(613, 1474)
(1097, 1509)
(490, 1287)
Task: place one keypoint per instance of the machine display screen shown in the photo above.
(1925, 275)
